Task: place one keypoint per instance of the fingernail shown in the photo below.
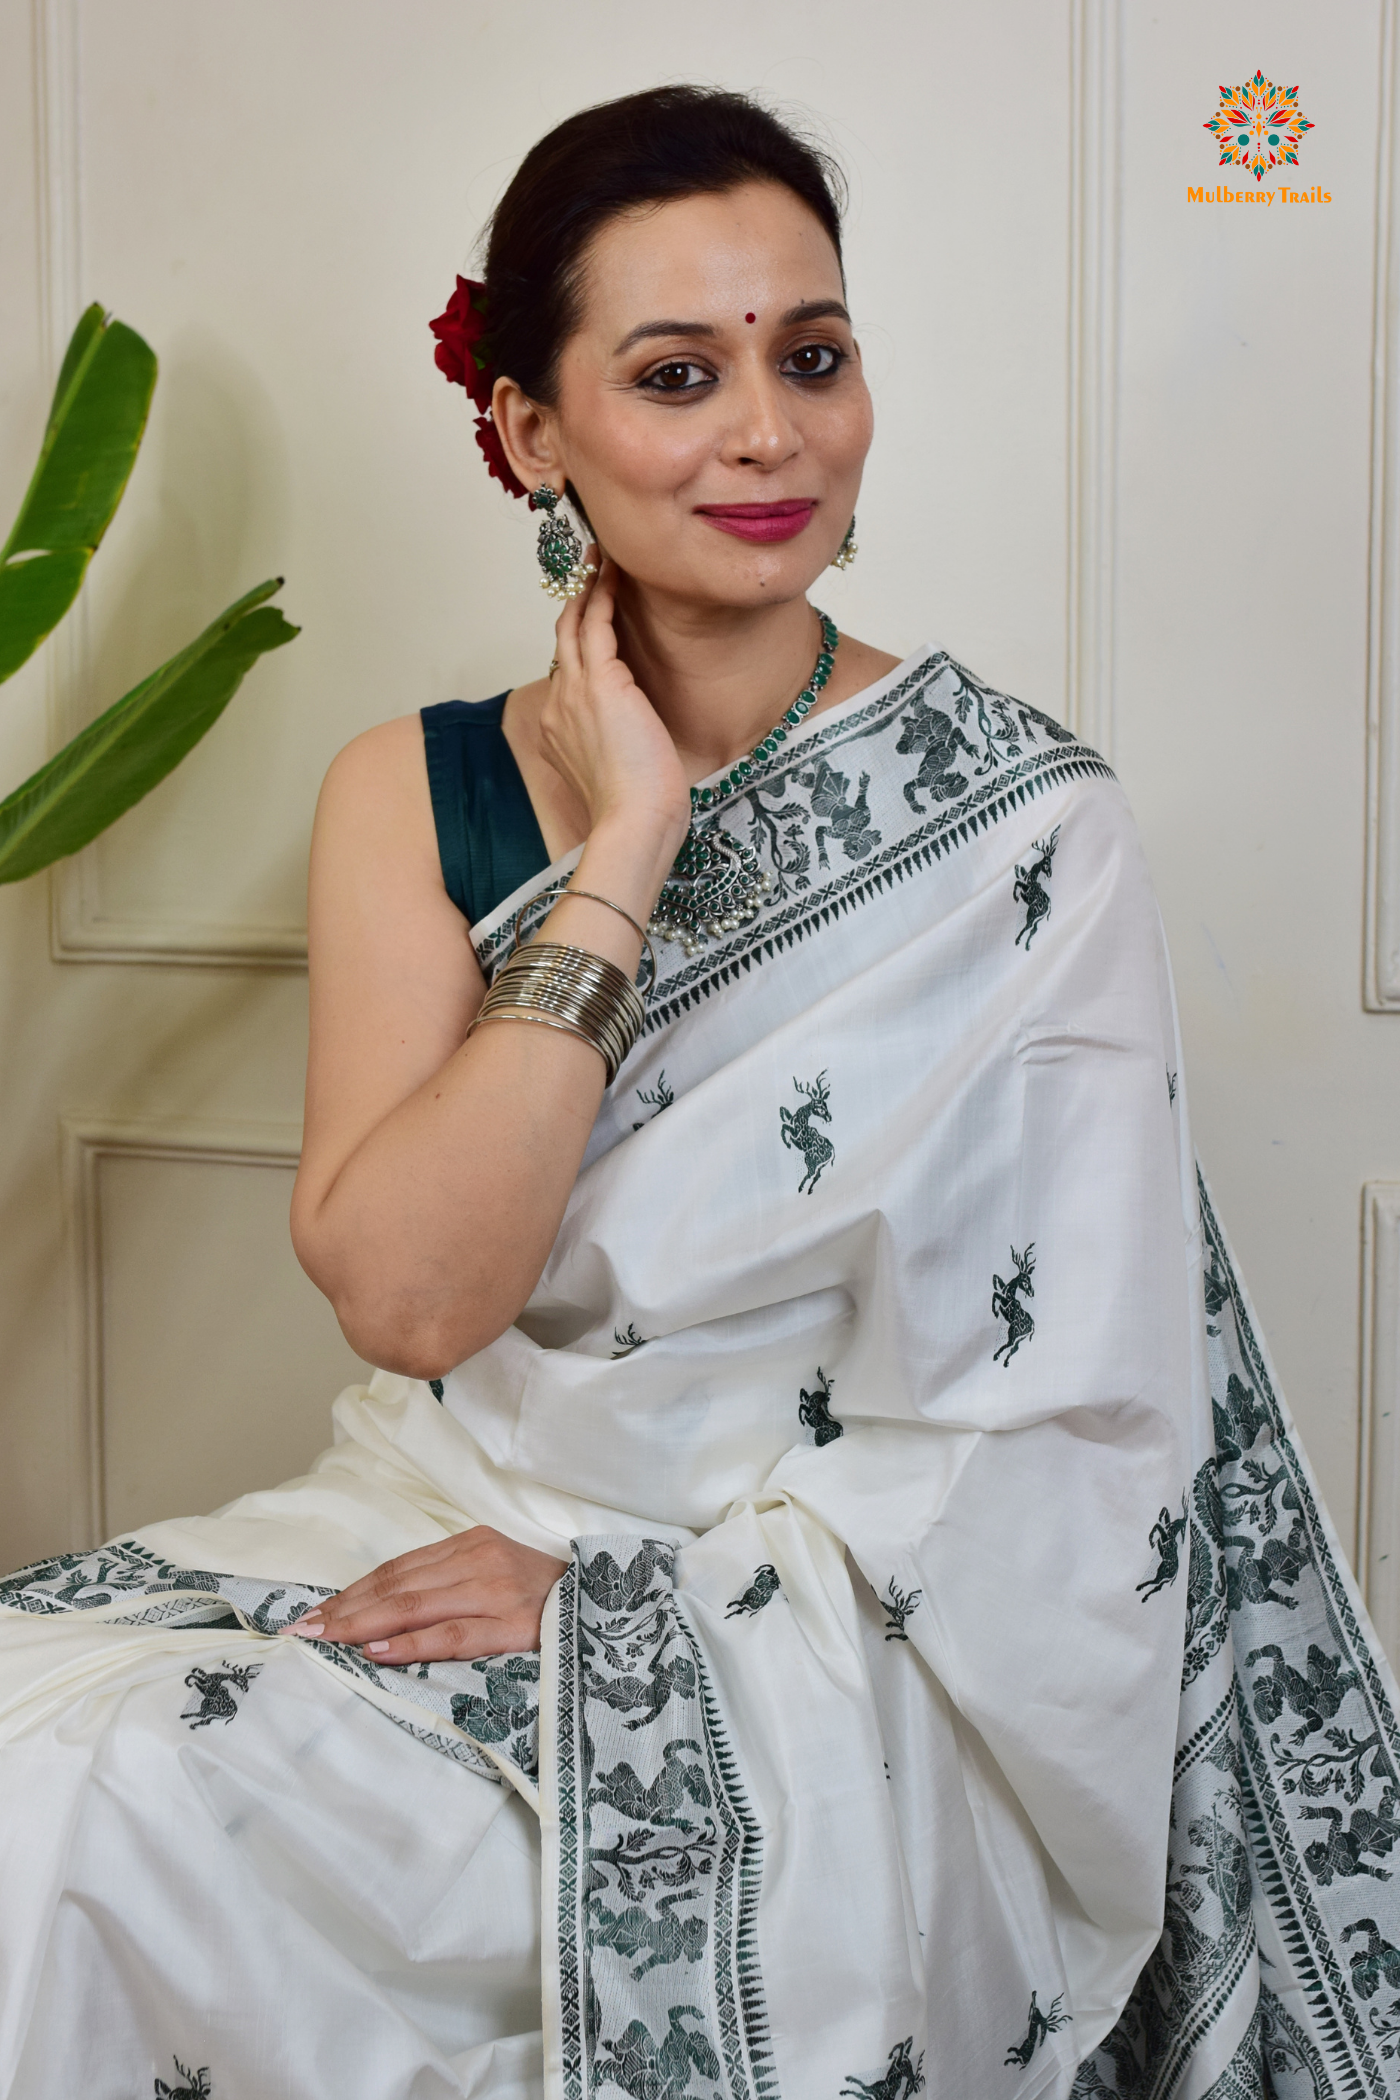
(309, 1629)
(376, 1647)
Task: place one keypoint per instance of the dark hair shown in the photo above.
(650, 148)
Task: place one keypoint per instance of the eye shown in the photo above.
(814, 361)
(679, 375)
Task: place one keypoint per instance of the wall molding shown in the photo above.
(1095, 179)
(1381, 985)
(86, 1142)
(80, 930)
(1378, 1497)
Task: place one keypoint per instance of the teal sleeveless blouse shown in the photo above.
(489, 839)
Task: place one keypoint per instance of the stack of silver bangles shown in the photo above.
(571, 989)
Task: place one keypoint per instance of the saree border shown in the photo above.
(627, 1647)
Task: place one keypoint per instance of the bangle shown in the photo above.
(571, 989)
(593, 897)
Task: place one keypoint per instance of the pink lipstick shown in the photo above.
(760, 521)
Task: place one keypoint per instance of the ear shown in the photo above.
(529, 433)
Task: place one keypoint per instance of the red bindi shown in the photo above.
(750, 317)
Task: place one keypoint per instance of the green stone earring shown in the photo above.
(848, 550)
(559, 549)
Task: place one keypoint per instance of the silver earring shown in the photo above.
(848, 550)
(559, 549)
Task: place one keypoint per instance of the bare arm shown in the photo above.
(435, 1171)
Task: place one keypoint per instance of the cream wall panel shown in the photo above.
(1244, 450)
(1378, 1526)
(209, 1358)
(1095, 140)
(1382, 958)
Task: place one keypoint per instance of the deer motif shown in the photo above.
(213, 1700)
(1166, 1536)
(798, 1134)
(902, 2077)
(1041, 2024)
(1029, 887)
(196, 2086)
(814, 1411)
(658, 1098)
(897, 1608)
(1006, 1305)
(762, 1590)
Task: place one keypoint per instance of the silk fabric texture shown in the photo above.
(864, 1389)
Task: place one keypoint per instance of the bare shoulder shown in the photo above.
(378, 784)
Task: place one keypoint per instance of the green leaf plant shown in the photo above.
(91, 440)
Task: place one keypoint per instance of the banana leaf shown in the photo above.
(143, 736)
(90, 444)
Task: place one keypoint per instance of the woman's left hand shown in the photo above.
(478, 1593)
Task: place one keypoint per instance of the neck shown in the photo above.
(718, 676)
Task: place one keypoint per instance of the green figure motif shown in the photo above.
(1314, 1698)
(662, 1804)
(651, 2070)
(662, 1939)
(901, 2080)
(1374, 1964)
(1006, 1305)
(929, 730)
(799, 1135)
(627, 1338)
(1041, 2024)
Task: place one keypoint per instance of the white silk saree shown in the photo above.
(956, 1686)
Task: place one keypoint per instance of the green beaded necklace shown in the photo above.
(702, 797)
(716, 882)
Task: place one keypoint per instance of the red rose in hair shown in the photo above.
(461, 353)
(463, 356)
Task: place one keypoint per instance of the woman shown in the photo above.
(791, 1528)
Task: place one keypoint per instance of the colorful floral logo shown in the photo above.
(1258, 126)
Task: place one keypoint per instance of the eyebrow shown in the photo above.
(809, 310)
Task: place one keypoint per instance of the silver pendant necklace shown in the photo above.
(716, 883)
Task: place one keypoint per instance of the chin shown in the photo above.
(742, 576)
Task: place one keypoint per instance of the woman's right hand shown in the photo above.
(600, 732)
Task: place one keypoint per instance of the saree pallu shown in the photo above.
(955, 1686)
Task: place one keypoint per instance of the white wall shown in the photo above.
(1123, 466)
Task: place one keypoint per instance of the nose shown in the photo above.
(761, 431)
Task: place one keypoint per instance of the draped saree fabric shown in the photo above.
(955, 1686)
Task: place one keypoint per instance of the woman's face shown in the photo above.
(712, 412)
